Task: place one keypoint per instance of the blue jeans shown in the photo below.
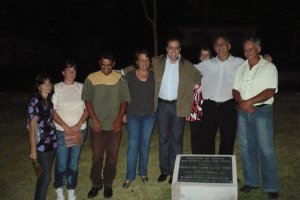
(46, 160)
(67, 162)
(255, 135)
(171, 130)
(139, 137)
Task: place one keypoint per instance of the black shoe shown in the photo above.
(171, 179)
(273, 195)
(126, 184)
(108, 192)
(144, 179)
(162, 178)
(247, 188)
(93, 192)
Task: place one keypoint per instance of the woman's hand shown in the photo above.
(76, 128)
(33, 154)
(68, 129)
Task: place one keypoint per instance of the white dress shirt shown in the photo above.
(218, 77)
(262, 76)
(170, 81)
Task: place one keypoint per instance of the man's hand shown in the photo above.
(97, 127)
(117, 125)
(246, 106)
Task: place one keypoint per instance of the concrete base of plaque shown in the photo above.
(205, 177)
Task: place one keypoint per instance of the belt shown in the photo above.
(166, 101)
(219, 103)
(260, 105)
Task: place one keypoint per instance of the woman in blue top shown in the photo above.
(42, 136)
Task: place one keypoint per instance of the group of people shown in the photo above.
(51, 116)
(166, 89)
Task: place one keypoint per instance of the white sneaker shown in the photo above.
(60, 193)
(71, 195)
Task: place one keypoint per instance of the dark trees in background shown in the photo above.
(153, 22)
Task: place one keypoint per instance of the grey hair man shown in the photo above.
(255, 85)
(218, 106)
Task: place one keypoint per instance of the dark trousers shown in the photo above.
(104, 142)
(196, 128)
(46, 160)
(170, 136)
(224, 117)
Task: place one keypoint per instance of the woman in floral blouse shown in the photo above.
(42, 134)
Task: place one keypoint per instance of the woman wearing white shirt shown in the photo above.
(70, 117)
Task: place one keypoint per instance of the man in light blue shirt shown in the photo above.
(169, 84)
(174, 81)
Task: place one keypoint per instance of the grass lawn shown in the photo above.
(17, 178)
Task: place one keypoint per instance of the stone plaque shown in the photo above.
(205, 169)
(208, 177)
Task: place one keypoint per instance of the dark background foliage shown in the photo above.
(38, 35)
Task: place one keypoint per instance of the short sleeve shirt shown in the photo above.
(218, 77)
(106, 93)
(262, 76)
(45, 129)
(141, 94)
(68, 104)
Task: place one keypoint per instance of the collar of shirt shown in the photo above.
(251, 82)
(99, 78)
(170, 80)
(169, 60)
(218, 60)
(255, 67)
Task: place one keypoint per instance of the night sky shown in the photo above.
(38, 35)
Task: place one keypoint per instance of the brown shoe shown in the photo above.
(93, 192)
(108, 192)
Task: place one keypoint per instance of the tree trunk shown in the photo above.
(155, 40)
(153, 22)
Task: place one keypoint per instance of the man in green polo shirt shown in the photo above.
(106, 95)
